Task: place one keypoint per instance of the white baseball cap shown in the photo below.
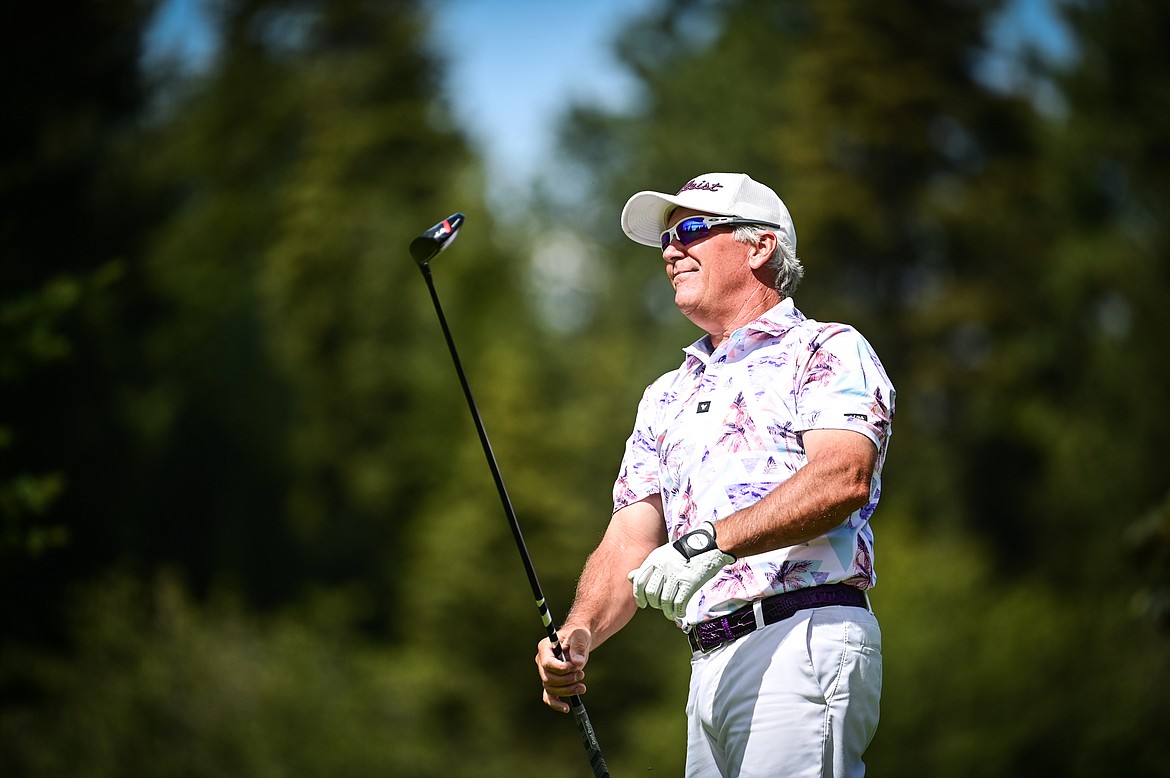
(719, 194)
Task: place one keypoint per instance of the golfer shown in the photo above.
(743, 503)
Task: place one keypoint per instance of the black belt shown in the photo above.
(709, 635)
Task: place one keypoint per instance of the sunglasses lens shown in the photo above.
(687, 231)
(690, 230)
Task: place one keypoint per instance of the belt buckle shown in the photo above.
(758, 622)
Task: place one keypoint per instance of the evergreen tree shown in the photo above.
(70, 219)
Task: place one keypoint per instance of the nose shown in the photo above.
(672, 251)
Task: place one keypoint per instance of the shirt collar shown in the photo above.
(772, 323)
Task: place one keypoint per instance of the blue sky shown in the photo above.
(514, 65)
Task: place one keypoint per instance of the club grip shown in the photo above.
(588, 737)
(577, 708)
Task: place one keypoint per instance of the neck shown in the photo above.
(752, 307)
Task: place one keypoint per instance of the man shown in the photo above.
(742, 506)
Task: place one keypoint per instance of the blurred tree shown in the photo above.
(162, 685)
(69, 217)
(310, 116)
(1148, 544)
(296, 369)
(1107, 281)
(286, 418)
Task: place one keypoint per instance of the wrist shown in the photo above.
(700, 540)
(571, 632)
(718, 545)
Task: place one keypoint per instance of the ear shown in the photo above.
(762, 251)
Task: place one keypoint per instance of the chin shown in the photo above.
(685, 306)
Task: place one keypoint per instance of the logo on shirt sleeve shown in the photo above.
(857, 416)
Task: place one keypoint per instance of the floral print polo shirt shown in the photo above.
(724, 429)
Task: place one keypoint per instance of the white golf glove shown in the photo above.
(672, 573)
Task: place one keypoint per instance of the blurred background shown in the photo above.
(246, 528)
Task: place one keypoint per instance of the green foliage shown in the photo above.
(31, 337)
(158, 685)
(295, 354)
(986, 677)
(65, 225)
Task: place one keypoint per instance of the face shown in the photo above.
(715, 278)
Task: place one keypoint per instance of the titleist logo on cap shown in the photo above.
(703, 185)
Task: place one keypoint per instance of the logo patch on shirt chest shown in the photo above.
(703, 407)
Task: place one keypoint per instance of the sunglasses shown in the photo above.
(696, 228)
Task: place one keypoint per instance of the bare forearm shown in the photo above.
(604, 602)
(817, 498)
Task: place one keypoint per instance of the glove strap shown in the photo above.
(698, 541)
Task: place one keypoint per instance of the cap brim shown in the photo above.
(644, 216)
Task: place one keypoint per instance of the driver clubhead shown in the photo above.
(428, 244)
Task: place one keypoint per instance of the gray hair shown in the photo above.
(784, 264)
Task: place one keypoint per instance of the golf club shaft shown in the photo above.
(576, 706)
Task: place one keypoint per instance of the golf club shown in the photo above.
(424, 248)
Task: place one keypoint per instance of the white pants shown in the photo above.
(796, 698)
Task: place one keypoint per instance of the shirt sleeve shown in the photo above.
(638, 477)
(844, 386)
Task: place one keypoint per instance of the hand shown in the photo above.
(673, 572)
(562, 678)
